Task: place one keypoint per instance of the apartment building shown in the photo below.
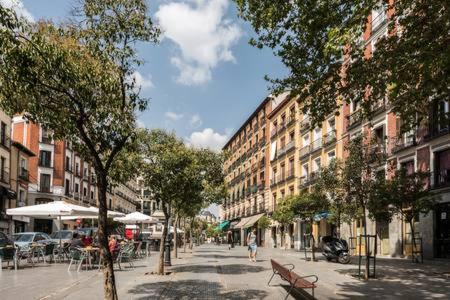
(146, 204)
(20, 156)
(58, 172)
(247, 174)
(298, 152)
(425, 148)
(7, 195)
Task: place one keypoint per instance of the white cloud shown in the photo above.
(207, 138)
(203, 35)
(173, 116)
(196, 121)
(141, 81)
(19, 8)
(140, 123)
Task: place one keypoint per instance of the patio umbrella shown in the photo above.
(51, 210)
(111, 214)
(135, 218)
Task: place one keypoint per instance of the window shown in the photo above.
(77, 169)
(331, 125)
(291, 190)
(305, 140)
(331, 156)
(316, 165)
(291, 136)
(3, 134)
(442, 168)
(45, 158)
(84, 192)
(318, 133)
(305, 170)
(68, 166)
(3, 175)
(77, 187)
(46, 136)
(44, 183)
(355, 105)
(67, 187)
(21, 198)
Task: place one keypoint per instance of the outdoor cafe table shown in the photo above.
(89, 251)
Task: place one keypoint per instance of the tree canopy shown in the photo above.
(321, 44)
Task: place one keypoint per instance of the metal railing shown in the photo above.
(305, 124)
(316, 145)
(24, 174)
(304, 151)
(290, 146)
(5, 141)
(329, 137)
(4, 176)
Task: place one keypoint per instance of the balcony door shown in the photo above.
(443, 230)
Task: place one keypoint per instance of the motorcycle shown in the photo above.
(335, 248)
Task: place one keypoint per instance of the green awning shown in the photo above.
(224, 224)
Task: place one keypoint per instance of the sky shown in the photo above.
(203, 78)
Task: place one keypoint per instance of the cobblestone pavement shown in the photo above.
(214, 272)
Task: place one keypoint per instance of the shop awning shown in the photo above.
(242, 223)
(252, 220)
(223, 224)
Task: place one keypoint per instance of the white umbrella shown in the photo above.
(52, 210)
(134, 218)
(111, 214)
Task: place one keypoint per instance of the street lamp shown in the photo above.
(167, 261)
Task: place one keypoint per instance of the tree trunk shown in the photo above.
(184, 234)
(411, 225)
(109, 282)
(175, 236)
(190, 234)
(163, 240)
(313, 253)
(366, 271)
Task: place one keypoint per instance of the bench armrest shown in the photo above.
(292, 266)
(317, 278)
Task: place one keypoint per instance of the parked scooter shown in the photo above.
(335, 248)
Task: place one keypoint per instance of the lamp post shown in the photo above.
(167, 261)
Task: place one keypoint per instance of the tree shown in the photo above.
(76, 80)
(407, 195)
(307, 205)
(360, 183)
(284, 214)
(166, 168)
(317, 40)
(263, 222)
(330, 184)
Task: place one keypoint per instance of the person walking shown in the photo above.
(230, 239)
(251, 242)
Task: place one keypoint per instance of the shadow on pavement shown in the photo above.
(222, 269)
(191, 289)
(220, 256)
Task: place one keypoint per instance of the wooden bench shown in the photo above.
(295, 281)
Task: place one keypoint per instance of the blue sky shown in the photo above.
(204, 79)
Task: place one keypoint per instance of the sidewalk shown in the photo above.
(214, 272)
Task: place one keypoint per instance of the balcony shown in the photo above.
(4, 176)
(281, 152)
(86, 177)
(316, 145)
(404, 142)
(254, 189)
(5, 141)
(262, 142)
(45, 163)
(281, 178)
(290, 174)
(304, 151)
(256, 128)
(273, 182)
(329, 138)
(23, 174)
(291, 120)
(262, 163)
(378, 107)
(262, 185)
(377, 153)
(46, 139)
(441, 179)
(305, 125)
(354, 119)
(273, 133)
(307, 180)
(290, 146)
(282, 127)
(44, 189)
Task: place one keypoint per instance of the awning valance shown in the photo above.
(241, 223)
(252, 220)
(223, 224)
(320, 216)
